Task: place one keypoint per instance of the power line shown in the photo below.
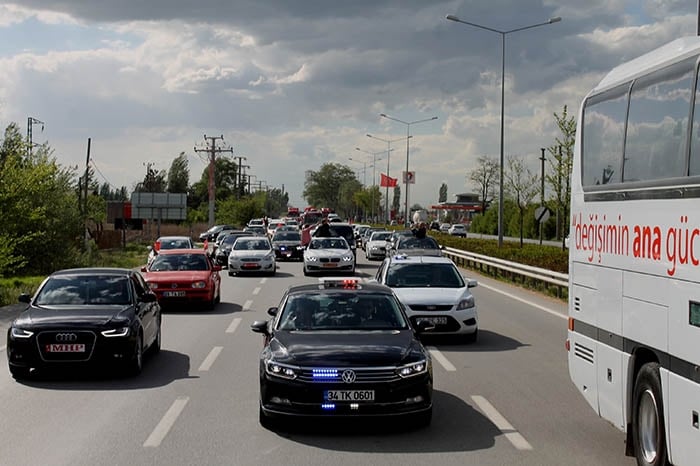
(212, 152)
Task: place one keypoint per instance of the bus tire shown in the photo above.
(649, 432)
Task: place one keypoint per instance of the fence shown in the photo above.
(530, 276)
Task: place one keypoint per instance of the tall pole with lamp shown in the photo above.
(388, 153)
(374, 173)
(408, 137)
(503, 76)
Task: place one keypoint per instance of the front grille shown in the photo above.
(65, 337)
(326, 259)
(430, 307)
(250, 259)
(362, 375)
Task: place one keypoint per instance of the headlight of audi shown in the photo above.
(281, 370)
(20, 333)
(412, 369)
(116, 332)
(466, 303)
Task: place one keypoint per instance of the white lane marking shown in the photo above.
(529, 303)
(263, 281)
(256, 291)
(209, 360)
(247, 304)
(166, 423)
(502, 423)
(437, 355)
(234, 325)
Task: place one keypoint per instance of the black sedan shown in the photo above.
(343, 349)
(92, 316)
(287, 245)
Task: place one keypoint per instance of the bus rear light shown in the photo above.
(567, 345)
(571, 324)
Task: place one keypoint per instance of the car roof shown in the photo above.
(182, 251)
(252, 237)
(174, 237)
(404, 259)
(93, 271)
(364, 287)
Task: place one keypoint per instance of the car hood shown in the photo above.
(238, 254)
(344, 348)
(420, 252)
(374, 244)
(40, 316)
(430, 295)
(178, 276)
(328, 252)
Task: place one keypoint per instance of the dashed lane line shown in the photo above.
(165, 424)
(247, 305)
(256, 291)
(439, 357)
(209, 360)
(234, 325)
(502, 423)
(263, 281)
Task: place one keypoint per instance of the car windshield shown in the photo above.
(424, 276)
(380, 236)
(170, 262)
(84, 289)
(344, 231)
(341, 311)
(328, 243)
(417, 243)
(287, 236)
(251, 245)
(230, 239)
(175, 243)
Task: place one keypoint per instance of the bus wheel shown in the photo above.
(648, 418)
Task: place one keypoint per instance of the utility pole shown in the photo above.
(85, 201)
(212, 152)
(31, 121)
(542, 190)
(239, 177)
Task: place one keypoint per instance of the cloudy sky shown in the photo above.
(293, 84)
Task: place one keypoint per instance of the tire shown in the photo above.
(649, 432)
(472, 337)
(135, 365)
(19, 373)
(230, 274)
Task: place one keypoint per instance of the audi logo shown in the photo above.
(348, 376)
(66, 337)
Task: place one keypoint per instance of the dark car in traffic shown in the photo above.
(287, 244)
(343, 349)
(100, 317)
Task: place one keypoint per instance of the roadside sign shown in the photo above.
(541, 214)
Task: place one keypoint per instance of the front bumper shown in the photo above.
(251, 266)
(289, 253)
(460, 322)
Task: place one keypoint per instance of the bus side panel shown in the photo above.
(582, 368)
(645, 309)
(683, 437)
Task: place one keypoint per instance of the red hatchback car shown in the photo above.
(183, 276)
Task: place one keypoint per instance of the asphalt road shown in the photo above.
(506, 400)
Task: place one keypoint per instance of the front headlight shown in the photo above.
(311, 258)
(152, 285)
(466, 303)
(300, 248)
(270, 256)
(17, 332)
(116, 332)
(199, 285)
(281, 370)
(412, 369)
(347, 258)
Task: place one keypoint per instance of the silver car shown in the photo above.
(252, 254)
(376, 245)
(328, 254)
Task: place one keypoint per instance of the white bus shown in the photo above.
(634, 269)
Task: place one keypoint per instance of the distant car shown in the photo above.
(273, 224)
(343, 349)
(457, 229)
(393, 240)
(184, 276)
(222, 248)
(327, 255)
(213, 232)
(287, 245)
(376, 246)
(99, 317)
(367, 233)
(169, 242)
(252, 254)
(256, 222)
(433, 289)
(435, 226)
(413, 246)
(346, 231)
(445, 227)
(255, 230)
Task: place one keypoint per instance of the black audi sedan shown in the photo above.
(99, 317)
(343, 349)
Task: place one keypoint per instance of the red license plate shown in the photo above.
(330, 264)
(65, 348)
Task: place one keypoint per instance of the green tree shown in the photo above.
(178, 175)
(396, 201)
(153, 182)
(560, 165)
(521, 186)
(442, 195)
(225, 170)
(323, 188)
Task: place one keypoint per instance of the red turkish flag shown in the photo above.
(387, 181)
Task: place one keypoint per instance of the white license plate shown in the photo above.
(349, 395)
(173, 294)
(65, 348)
(435, 320)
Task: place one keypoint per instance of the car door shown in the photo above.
(147, 312)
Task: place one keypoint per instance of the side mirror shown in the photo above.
(272, 311)
(148, 298)
(472, 283)
(259, 326)
(149, 247)
(423, 326)
(143, 268)
(24, 298)
(216, 268)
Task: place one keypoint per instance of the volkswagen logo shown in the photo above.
(348, 376)
(66, 337)
(174, 285)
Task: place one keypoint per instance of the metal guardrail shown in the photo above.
(492, 264)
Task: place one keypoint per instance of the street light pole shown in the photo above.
(503, 34)
(388, 153)
(364, 170)
(374, 173)
(408, 137)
